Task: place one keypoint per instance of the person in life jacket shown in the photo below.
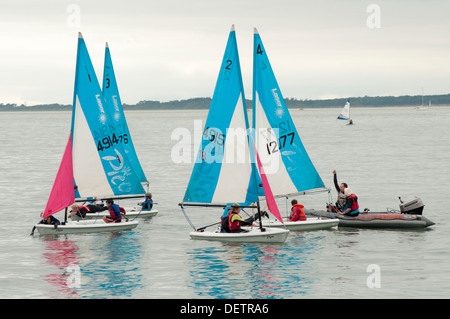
(232, 222)
(351, 207)
(297, 212)
(341, 199)
(147, 204)
(114, 212)
(81, 211)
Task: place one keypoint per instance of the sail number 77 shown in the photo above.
(275, 146)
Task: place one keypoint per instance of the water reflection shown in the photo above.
(247, 270)
(107, 264)
(62, 254)
(112, 266)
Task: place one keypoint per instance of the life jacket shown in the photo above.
(114, 210)
(85, 207)
(233, 225)
(355, 204)
(147, 204)
(299, 214)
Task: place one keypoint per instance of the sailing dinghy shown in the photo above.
(114, 104)
(286, 163)
(224, 172)
(345, 113)
(94, 161)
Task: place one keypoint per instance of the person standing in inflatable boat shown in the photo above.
(351, 207)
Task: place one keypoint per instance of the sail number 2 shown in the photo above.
(109, 141)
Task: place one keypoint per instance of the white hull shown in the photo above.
(309, 224)
(85, 226)
(253, 235)
(131, 214)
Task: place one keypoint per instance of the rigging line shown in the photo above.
(187, 218)
(136, 215)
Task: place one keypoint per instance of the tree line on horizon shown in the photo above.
(205, 102)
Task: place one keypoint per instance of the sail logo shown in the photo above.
(279, 110)
(276, 97)
(116, 107)
(102, 116)
(118, 175)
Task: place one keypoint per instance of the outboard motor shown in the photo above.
(413, 207)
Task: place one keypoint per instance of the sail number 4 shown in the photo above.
(109, 141)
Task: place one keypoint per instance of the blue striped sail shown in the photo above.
(286, 163)
(223, 172)
(100, 166)
(111, 93)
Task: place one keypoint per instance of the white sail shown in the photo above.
(345, 113)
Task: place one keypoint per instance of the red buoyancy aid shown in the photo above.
(298, 213)
(85, 207)
(355, 204)
(233, 225)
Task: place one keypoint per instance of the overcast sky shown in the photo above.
(172, 49)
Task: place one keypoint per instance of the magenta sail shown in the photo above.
(271, 204)
(62, 194)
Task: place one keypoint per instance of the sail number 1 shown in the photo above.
(109, 141)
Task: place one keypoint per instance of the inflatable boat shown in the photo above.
(410, 216)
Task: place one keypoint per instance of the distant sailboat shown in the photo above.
(345, 113)
(423, 107)
(223, 172)
(94, 163)
(288, 168)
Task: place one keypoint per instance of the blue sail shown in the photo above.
(223, 169)
(286, 162)
(100, 165)
(111, 93)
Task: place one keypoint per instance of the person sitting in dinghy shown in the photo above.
(351, 207)
(50, 220)
(147, 204)
(232, 222)
(114, 211)
(297, 212)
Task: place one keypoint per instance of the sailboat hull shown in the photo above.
(85, 226)
(312, 223)
(131, 214)
(253, 235)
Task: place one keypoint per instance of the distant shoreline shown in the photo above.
(291, 103)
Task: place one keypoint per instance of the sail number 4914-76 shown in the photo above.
(109, 141)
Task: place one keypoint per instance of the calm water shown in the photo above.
(389, 152)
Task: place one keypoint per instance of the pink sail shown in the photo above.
(271, 204)
(62, 194)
